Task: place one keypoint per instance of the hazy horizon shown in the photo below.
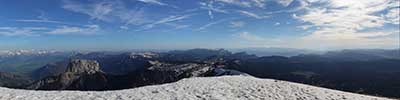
(169, 24)
(234, 50)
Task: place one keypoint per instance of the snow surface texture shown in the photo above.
(206, 88)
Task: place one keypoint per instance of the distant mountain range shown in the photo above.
(87, 75)
(25, 61)
(373, 71)
(25, 52)
(276, 51)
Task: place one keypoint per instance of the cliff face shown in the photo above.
(83, 67)
(79, 75)
(205, 88)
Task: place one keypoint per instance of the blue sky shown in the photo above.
(182, 24)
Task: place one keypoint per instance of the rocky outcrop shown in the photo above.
(79, 75)
(86, 75)
(83, 67)
(119, 64)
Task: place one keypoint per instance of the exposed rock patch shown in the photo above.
(83, 66)
(79, 75)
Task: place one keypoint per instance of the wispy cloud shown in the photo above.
(259, 3)
(124, 27)
(305, 27)
(345, 16)
(44, 21)
(42, 18)
(20, 31)
(37, 31)
(277, 24)
(342, 21)
(177, 26)
(255, 3)
(237, 24)
(38, 21)
(250, 14)
(114, 11)
(302, 4)
(88, 29)
(96, 10)
(167, 20)
(134, 17)
(153, 2)
(285, 2)
(393, 16)
(211, 24)
(245, 3)
(249, 37)
(211, 8)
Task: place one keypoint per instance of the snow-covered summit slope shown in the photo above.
(209, 88)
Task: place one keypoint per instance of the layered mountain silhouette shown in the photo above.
(87, 75)
(373, 72)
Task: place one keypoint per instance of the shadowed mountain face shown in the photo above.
(51, 69)
(12, 80)
(79, 75)
(116, 64)
(124, 63)
(119, 64)
(86, 75)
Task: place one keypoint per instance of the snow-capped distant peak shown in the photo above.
(25, 52)
(208, 88)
